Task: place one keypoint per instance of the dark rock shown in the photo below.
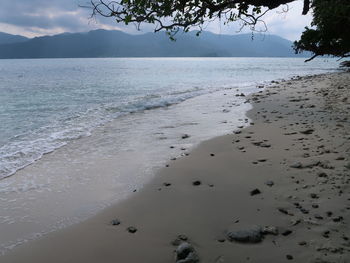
(322, 174)
(283, 211)
(287, 232)
(304, 210)
(347, 165)
(308, 131)
(289, 257)
(115, 222)
(269, 183)
(296, 165)
(196, 183)
(317, 216)
(212, 154)
(337, 219)
(253, 235)
(256, 191)
(166, 184)
(302, 243)
(185, 136)
(325, 234)
(314, 196)
(132, 229)
(185, 253)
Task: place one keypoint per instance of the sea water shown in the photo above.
(77, 135)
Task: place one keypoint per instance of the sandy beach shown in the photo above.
(276, 191)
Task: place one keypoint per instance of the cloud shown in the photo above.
(42, 17)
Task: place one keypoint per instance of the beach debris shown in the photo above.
(253, 235)
(269, 183)
(302, 243)
(284, 211)
(166, 184)
(221, 240)
(296, 165)
(295, 222)
(256, 191)
(287, 232)
(196, 183)
(289, 257)
(115, 222)
(311, 164)
(337, 219)
(314, 196)
(185, 253)
(185, 136)
(262, 144)
(132, 229)
(322, 174)
(308, 131)
(326, 233)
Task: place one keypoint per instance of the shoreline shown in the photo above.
(214, 194)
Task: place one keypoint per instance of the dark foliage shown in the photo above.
(330, 32)
(175, 15)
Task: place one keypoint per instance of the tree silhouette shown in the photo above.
(331, 32)
(175, 15)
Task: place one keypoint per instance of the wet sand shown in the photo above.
(282, 183)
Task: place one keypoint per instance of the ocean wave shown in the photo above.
(26, 148)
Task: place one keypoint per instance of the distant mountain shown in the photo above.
(9, 39)
(102, 43)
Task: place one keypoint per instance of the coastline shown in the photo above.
(299, 142)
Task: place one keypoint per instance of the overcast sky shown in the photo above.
(47, 17)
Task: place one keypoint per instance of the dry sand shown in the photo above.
(296, 158)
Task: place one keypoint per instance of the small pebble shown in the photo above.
(196, 183)
(287, 232)
(256, 191)
(289, 257)
(132, 229)
(115, 222)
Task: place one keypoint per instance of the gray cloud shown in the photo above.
(39, 17)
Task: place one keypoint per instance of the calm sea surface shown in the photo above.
(116, 119)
